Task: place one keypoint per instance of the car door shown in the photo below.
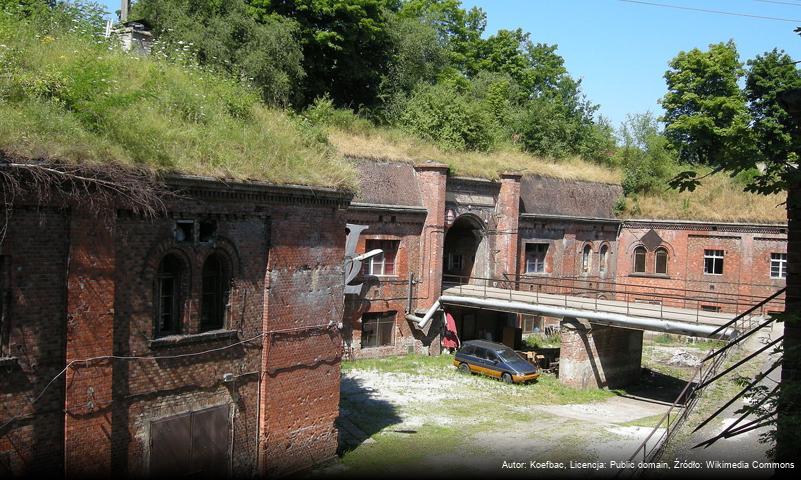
(493, 363)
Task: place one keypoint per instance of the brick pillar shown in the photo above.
(431, 179)
(597, 356)
(508, 214)
(90, 328)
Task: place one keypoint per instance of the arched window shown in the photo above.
(603, 265)
(169, 295)
(216, 282)
(586, 262)
(661, 260)
(639, 260)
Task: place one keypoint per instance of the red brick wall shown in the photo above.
(36, 243)
(508, 212)
(387, 293)
(596, 356)
(286, 257)
(300, 384)
(431, 179)
(90, 333)
(746, 270)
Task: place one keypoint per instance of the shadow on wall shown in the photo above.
(361, 415)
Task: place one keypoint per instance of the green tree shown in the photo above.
(708, 122)
(458, 28)
(450, 118)
(644, 155)
(705, 112)
(346, 46)
(225, 35)
(776, 134)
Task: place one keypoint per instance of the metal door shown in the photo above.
(195, 443)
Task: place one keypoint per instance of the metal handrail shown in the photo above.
(704, 379)
(556, 286)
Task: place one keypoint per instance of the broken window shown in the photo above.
(208, 231)
(168, 295)
(713, 262)
(5, 303)
(603, 264)
(535, 257)
(184, 230)
(378, 329)
(216, 286)
(454, 263)
(661, 260)
(778, 265)
(639, 259)
(532, 323)
(383, 264)
(710, 308)
(586, 263)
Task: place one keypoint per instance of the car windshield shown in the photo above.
(508, 355)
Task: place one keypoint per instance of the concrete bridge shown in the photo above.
(601, 330)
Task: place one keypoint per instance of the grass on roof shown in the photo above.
(78, 99)
(718, 198)
(394, 145)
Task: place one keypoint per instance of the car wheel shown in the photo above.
(464, 368)
(506, 377)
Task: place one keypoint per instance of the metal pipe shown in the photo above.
(422, 322)
(603, 318)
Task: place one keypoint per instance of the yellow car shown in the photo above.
(495, 360)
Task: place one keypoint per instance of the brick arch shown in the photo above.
(633, 246)
(227, 249)
(161, 250)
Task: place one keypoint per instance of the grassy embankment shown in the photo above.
(67, 96)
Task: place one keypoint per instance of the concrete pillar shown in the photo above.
(507, 211)
(431, 179)
(597, 356)
(90, 334)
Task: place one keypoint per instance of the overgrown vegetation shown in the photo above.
(67, 94)
(275, 91)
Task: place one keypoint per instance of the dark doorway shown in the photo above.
(465, 252)
(191, 444)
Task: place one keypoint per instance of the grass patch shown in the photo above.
(666, 339)
(78, 99)
(393, 145)
(412, 364)
(718, 198)
(396, 451)
(536, 340)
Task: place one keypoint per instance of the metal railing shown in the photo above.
(690, 395)
(605, 293)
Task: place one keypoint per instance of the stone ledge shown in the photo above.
(190, 339)
(662, 276)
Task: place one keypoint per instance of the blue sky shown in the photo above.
(620, 50)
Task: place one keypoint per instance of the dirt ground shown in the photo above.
(418, 414)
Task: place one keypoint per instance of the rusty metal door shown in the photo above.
(195, 443)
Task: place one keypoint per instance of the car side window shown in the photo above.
(492, 356)
(468, 350)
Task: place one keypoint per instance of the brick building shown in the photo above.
(534, 233)
(208, 339)
(204, 340)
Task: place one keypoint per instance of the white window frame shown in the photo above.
(535, 263)
(780, 261)
(716, 256)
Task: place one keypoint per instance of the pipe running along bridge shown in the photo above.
(602, 323)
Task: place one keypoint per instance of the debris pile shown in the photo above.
(684, 359)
